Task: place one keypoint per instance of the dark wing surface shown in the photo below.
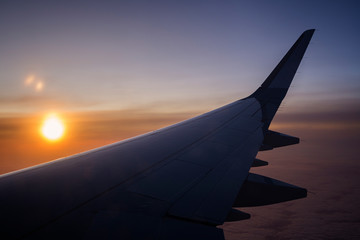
(179, 182)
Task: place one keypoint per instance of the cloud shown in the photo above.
(34, 103)
(343, 114)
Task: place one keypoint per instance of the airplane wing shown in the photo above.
(179, 182)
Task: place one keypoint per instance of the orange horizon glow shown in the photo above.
(25, 146)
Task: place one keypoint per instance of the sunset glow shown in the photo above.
(53, 128)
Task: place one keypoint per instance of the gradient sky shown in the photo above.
(111, 55)
(115, 69)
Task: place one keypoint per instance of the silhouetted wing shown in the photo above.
(178, 182)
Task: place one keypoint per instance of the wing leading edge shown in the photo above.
(174, 183)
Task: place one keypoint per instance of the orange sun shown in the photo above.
(53, 128)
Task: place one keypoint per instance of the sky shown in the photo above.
(115, 69)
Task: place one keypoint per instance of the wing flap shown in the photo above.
(259, 163)
(276, 139)
(259, 190)
(236, 215)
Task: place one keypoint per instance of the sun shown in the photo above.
(53, 128)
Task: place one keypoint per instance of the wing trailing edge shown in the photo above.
(260, 190)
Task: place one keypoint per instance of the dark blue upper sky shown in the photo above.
(124, 54)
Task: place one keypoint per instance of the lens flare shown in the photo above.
(29, 80)
(39, 86)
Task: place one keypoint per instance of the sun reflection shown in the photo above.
(52, 128)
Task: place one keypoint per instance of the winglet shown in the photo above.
(284, 72)
(273, 90)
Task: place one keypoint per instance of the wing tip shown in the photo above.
(312, 30)
(309, 32)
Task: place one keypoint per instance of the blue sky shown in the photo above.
(108, 55)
